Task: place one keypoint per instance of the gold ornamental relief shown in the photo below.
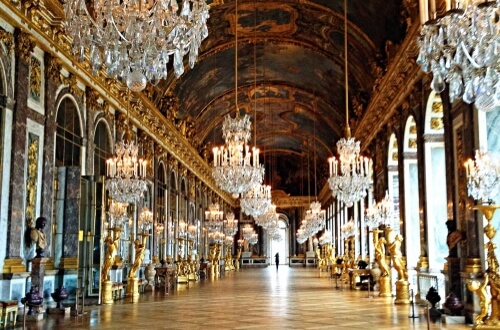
(35, 91)
(31, 182)
(8, 40)
(437, 107)
(437, 124)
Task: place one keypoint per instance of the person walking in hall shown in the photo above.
(277, 260)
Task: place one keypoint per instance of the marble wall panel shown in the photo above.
(71, 212)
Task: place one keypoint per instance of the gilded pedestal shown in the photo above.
(385, 286)
(107, 297)
(133, 288)
(402, 292)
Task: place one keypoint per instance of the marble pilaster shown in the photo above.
(15, 226)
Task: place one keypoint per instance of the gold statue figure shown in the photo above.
(109, 259)
(139, 257)
(380, 256)
(484, 298)
(397, 258)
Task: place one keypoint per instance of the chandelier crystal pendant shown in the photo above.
(460, 49)
(256, 201)
(126, 173)
(230, 225)
(483, 177)
(267, 219)
(134, 39)
(214, 217)
(349, 184)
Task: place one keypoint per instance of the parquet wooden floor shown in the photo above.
(290, 298)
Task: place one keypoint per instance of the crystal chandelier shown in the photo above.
(126, 173)
(349, 185)
(117, 215)
(326, 238)
(274, 231)
(386, 210)
(315, 218)
(460, 48)
(145, 221)
(213, 217)
(256, 201)
(483, 177)
(135, 39)
(372, 216)
(230, 225)
(267, 219)
(349, 229)
(236, 168)
(249, 234)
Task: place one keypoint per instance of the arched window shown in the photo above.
(102, 148)
(435, 174)
(393, 179)
(161, 206)
(68, 134)
(412, 206)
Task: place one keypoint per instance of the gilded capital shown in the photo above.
(53, 68)
(25, 45)
(91, 99)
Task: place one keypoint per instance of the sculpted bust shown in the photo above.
(38, 236)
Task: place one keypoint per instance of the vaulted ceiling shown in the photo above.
(290, 69)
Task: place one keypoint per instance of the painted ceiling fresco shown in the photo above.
(290, 69)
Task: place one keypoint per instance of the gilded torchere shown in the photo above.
(491, 278)
(385, 279)
(133, 280)
(402, 284)
(111, 242)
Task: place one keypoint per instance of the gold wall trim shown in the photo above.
(68, 263)
(12, 266)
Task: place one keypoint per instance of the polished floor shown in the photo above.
(290, 298)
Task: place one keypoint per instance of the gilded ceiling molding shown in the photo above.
(292, 202)
(402, 74)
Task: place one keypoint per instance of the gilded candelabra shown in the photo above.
(483, 183)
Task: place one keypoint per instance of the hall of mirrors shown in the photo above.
(62, 126)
